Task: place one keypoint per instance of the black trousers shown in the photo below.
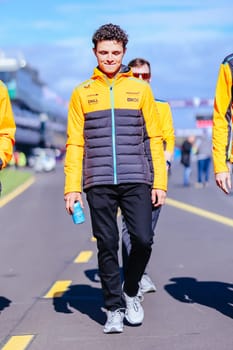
(134, 201)
(126, 242)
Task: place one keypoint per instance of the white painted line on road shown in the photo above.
(16, 192)
(18, 342)
(84, 256)
(58, 289)
(201, 212)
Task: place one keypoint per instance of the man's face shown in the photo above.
(142, 72)
(109, 56)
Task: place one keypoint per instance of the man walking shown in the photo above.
(7, 128)
(108, 117)
(141, 69)
(222, 125)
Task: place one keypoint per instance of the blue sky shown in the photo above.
(184, 40)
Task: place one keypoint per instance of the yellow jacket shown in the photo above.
(222, 117)
(106, 124)
(7, 126)
(167, 125)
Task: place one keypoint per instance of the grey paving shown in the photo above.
(191, 263)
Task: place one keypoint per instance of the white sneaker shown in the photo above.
(134, 313)
(114, 323)
(146, 285)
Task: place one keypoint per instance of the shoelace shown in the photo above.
(116, 313)
(134, 303)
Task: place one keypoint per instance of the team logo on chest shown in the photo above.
(92, 101)
(132, 99)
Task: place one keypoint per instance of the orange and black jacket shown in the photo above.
(222, 117)
(7, 127)
(107, 121)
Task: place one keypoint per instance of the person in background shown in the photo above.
(141, 69)
(7, 128)
(186, 153)
(107, 118)
(203, 146)
(222, 125)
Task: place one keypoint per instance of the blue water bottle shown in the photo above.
(78, 214)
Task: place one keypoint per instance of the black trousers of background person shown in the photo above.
(134, 201)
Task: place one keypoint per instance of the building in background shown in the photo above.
(40, 114)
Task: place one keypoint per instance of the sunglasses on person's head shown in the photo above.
(144, 76)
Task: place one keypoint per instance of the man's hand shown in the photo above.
(70, 198)
(158, 197)
(223, 181)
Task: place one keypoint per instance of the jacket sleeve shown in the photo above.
(75, 146)
(154, 131)
(168, 129)
(7, 127)
(222, 120)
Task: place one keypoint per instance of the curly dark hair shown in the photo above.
(110, 32)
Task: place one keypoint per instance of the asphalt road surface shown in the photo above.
(50, 294)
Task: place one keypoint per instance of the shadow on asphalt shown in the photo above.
(84, 298)
(93, 275)
(4, 302)
(216, 295)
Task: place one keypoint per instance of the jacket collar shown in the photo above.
(124, 71)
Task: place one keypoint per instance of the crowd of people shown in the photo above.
(200, 149)
(119, 149)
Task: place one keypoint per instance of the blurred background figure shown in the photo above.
(203, 147)
(141, 69)
(186, 152)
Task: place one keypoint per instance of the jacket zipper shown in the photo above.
(113, 136)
